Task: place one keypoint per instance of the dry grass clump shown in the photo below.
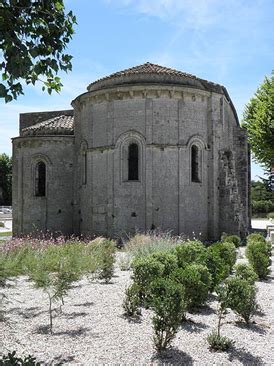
(142, 245)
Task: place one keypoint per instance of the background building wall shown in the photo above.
(88, 191)
(53, 212)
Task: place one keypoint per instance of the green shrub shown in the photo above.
(218, 342)
(146, 270)
(235, 239)
(7, 269)
(190, 252)
(167, 302)
(168, 260)
(196, 280)
(226, 251)
(255, 237)
(217, 266)
(270, 215)
(258, 254)
(241, 297)
(98, 258)
(107, 260)
(131, 303)
(12, 360)
(245, 272)
(2, 224)
(262, 206)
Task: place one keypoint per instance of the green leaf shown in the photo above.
(33, 40)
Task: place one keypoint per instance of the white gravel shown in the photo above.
(93, 331)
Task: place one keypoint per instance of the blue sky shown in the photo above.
(229, 42)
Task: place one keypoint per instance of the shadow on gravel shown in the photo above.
(60, 360)
(31, 314)
(206, 310)
(132, 319)
(260, 312)
(172, 356)
(88, 303)
(193, 327)
(245, 357)
(32, 308)
(44, 329)
(73, 332)
(253, 327)
(75, 315)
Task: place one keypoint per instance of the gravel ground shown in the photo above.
(93, 331)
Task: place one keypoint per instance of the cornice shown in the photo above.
(140, 92)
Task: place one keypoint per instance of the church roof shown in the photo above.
(60, 125)
(153, 73)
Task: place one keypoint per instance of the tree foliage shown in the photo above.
(259, 122)
(5, 179)
(33, 38)
(262, 198)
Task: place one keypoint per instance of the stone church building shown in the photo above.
(147, 147)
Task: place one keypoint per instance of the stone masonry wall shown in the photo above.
(165, 122)
(54, 212)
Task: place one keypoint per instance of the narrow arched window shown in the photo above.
(40, 179)
(195, 164)
(133, 162)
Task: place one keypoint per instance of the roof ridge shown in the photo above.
(150, 68)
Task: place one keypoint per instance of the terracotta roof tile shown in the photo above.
(61, 125)
(154, 69)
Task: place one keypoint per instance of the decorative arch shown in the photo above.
(196, 147)
(131, 146)
(40, 170)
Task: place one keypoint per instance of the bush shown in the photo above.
(241, 297)
(2, 224)
(107, 260)
(169, 261)
(255, 237)
(245, 272)
(145, 271)
(196, 281)
(131, 302)
(11, 359)
(218, 342)
(270, 215)
(262, 206)
(235, 239)
(167, 302)
(226, 251)
(7, 269)
(217, 266)
(190, 252)
(258, 254)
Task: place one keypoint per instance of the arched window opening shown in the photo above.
(84, 167)
(40, 179)
(195, 164)
(133, 162)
